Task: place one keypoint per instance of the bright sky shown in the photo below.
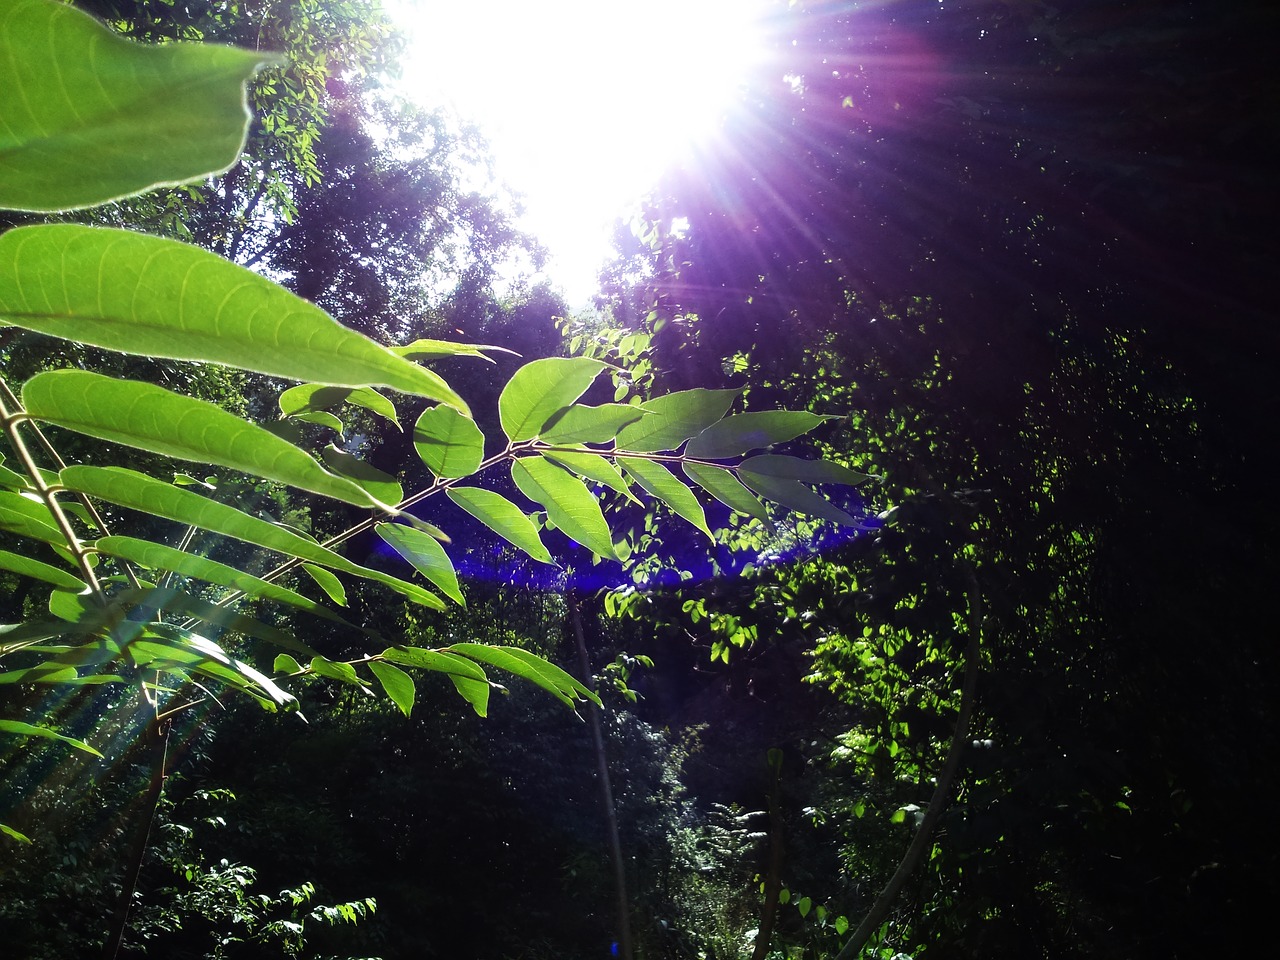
(583, 101)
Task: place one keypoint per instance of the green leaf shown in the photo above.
(17, 835)
(529, 666)
(396, 684)
(804, 905)
(579, 424)
(842, 925)
(151, 418)
(316, 398)
(660, 482)
(744, 432)
(474, 692)
(541, 389)
(421, 350)
(319, 417)
(726, 488)
(286, 664)
(327, 582)
(675, 418)
(796, 468)
(380, 485)
(448, 442)
(593, 467)
(160, 298)
(796, 496)
(90, 117)
(502, 517)
(336, 670)
(468, 678)
(40, 571)
(19, 729)
(426, 555)
(128, 488)
(569, 504)
(29, 518)
(158, 556)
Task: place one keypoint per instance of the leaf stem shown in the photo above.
(13, 419)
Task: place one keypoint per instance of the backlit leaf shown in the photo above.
(807, 471)
(151, 418)
(89, 116)
(468, 678)
(541, 389)
(726, 488)
(448, 442)
(41, 571)
(580, 424)
(502, 517)
(675, 418)
(19, 729)
(593, 467)
(421, 350)
(745, 432)
(315, 397)
(158, 556)
(660, 482)
(796, 496)
(160, 298)
(380, 485)
(128, 488)
(396, 684)
(531, 667)
(569, 504)
(327, 581)
(427, 556)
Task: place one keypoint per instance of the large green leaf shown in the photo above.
(796, 468)
(663, 484)
(531, 667)
(796, 496)
(569, 504)
(468, 678)
(593, 467)
(502, 517)
(448, 442)
(541, 389)
(675, 418)
(40, 571)
(744, 432)
(427, 556)
(152, 418)
(582, 424)
(156, 297)
(29, 518)
(396, 684)
(87, 116)
(726, 488)
(128, 488)
(20, 729)
(158, 556)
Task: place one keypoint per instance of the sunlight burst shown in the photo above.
(585, 102)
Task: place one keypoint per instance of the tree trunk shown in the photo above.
(606, 788)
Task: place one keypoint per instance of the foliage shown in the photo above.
(121, 291)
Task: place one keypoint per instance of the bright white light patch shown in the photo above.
(584, 101)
